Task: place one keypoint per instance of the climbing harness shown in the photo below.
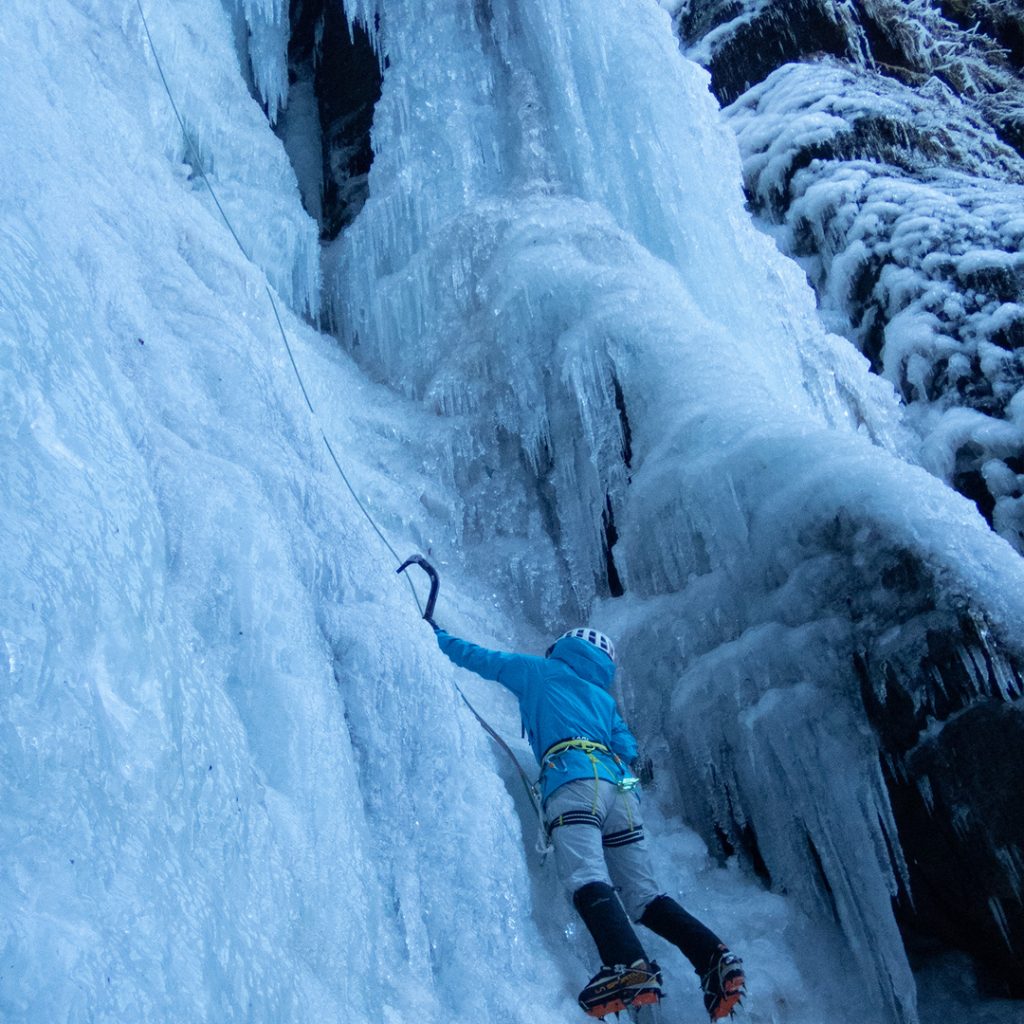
(627, 782)
(575, 743)
(428, 612)
(624, 783)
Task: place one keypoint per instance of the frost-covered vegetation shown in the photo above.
(884, 140)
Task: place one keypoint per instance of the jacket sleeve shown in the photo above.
(623, 742)
(511, 670)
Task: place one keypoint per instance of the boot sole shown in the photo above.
(620, 1005)
(646, 998)
(728, 1003)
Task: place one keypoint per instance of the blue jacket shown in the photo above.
(564, 696)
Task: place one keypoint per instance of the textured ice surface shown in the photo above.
(226, 130)
(621, 355)
(907, 210)
(224, 738)
(236, 782)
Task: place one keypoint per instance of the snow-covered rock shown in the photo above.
(884, 142)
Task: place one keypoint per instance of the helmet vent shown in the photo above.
(592, 637)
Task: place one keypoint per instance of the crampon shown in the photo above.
(723, 985)
(615, 989)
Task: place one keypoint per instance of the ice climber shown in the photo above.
(592, 814)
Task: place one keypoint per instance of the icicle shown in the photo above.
(924, 787)
(268, 50)
(1011, 858)
(999, 916)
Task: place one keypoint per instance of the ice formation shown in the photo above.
(562, 303)
(883, 142)
(919, 265)
(223, 735)
(237, 782)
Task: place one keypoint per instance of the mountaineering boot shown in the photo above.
(720, 972)
(627, 977)
(723, 984)
(614, 989)
(667, 918)
(606, 920)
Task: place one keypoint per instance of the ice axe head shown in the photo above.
(435, 584)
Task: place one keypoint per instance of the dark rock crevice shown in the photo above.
(949, 718)
(778, 34)
(627, 430)
(335, 80)
(964, 854)
(611, 537)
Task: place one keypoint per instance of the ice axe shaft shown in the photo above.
(435, 583)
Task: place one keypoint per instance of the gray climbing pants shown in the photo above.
(598, 836)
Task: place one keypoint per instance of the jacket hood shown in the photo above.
(586, 660)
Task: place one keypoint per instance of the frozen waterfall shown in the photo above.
(238, 784)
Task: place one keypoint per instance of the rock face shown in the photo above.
(946, 708)
(966, 861)
(882, 145)
(884, 140)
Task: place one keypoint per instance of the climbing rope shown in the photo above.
(198, 164)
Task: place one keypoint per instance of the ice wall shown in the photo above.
(232, 781)
(237, 783)
(555, 258)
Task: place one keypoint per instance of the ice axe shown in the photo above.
(435, 583)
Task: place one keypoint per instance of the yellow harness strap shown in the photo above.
(588, 747)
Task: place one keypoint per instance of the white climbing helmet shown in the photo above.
(592, 636)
